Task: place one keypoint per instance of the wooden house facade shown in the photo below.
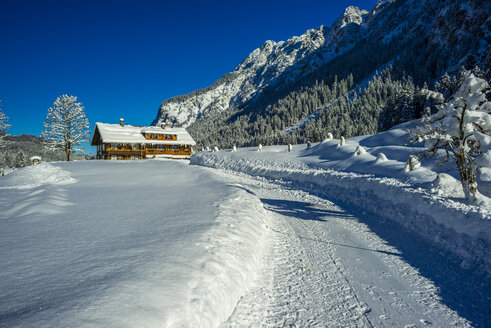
(119, 141)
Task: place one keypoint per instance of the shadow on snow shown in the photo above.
(461, 290)
(307, 211)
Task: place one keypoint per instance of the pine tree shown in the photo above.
(8, 160)
(20, 159)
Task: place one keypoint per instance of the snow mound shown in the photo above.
(36, 175)
(446, 185)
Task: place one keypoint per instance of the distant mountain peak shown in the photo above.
(351, 14)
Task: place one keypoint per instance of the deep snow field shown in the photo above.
(316, 237)
(124, 244)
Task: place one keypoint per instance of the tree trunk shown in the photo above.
(467, 173)
(467, 169)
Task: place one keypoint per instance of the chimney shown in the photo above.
(121, 121)
(162, 125)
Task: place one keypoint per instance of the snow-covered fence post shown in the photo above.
(234, 148)
(341, 141)
(413, 163)
(215, 149)
(309, 144)
(260, 147)
(329, 136)
(290, 148)
(360, 150)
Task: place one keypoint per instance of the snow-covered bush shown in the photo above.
(260, 147)
(462, 129)
(329, 136)
(215, 149)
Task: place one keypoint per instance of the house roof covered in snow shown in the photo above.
(116, 133)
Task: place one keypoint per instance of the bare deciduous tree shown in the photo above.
(4, 126)
(66, 125)
(462, 129)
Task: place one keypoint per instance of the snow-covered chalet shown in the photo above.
(120, 141)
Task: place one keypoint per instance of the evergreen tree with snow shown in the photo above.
(66, 125)
(462, 129)
(20, 159)
(8, 160)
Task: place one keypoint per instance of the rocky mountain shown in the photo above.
(271, 64)
(422, 39)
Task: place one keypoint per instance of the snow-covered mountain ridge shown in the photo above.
(270, 64)
(423, 38)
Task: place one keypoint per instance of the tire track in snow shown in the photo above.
(327, 269)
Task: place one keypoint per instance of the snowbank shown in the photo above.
(234, 252)
(36, 175)
(378, 184)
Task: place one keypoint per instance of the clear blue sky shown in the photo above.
(123, 58)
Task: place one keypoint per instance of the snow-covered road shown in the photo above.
(328, 269)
